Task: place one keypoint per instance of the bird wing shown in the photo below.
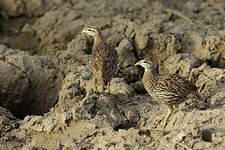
(96, 63)
(173, 87)
(104, 61)
(110, 62)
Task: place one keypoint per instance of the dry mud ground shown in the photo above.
(44, 74)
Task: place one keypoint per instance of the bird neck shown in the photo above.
(149, 78)
(150, 73)
(98, 39)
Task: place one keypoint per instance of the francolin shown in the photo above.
(170, 90)
(103, 62)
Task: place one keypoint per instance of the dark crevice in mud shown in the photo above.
(23, 108)
(20, 97)
(207, 135)
(144, 133)
(91, 135)
(124, 126)
(216, 64)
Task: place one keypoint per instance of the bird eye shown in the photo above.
(145, 61)
(92, 30)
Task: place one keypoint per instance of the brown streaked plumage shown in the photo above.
(104, 60)
(171, 90)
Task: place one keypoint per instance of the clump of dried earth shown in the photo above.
(44, 75)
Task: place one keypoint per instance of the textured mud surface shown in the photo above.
(44, 75)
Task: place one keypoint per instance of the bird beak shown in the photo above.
(138, 63)
(83, 31)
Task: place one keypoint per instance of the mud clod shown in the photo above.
(46, 97)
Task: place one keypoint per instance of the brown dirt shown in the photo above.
(45, 77)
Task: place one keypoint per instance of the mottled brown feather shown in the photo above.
(168, 89)
(171, 90)
(104, 61)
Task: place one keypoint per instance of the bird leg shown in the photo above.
(108, 87)
(175, 106)
(95, 84)
(88, 94)
(166, 120)
(101, 83)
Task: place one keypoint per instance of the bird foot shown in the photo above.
(88, 94)
(159, 122)
(168, 116)
(108, 88)
(164, 124)
(91, 93)
(108, 91)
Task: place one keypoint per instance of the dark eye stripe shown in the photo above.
(90, 29)
(145, 61)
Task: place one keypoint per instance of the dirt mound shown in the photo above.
(22, 77)
(45, 97)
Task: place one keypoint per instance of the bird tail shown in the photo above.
(202, 103)
(197, 96)
(117, 68)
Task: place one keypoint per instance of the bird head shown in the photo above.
(148, 65)
(92, 31)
